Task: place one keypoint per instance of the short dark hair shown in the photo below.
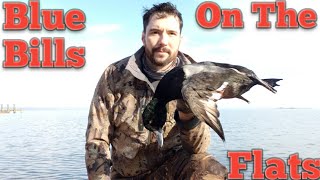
(162, 10)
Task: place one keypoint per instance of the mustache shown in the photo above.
(163, 49)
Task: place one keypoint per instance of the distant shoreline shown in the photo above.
(54, 108)
(220, 108)
(293, 108)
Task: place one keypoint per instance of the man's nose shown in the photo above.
(164, 39)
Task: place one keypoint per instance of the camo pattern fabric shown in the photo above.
(117, 144)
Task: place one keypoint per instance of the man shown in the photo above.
(115, 114)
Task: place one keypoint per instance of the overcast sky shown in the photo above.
(113, 31)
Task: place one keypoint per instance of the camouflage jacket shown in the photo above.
(115, 119)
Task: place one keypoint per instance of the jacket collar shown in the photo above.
(134, 65)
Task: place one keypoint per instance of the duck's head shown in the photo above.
(154, 117)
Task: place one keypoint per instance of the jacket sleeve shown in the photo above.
(100, 129)
(195, 135)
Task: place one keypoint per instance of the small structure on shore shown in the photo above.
(8, 109)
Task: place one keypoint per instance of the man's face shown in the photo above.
(162, 39)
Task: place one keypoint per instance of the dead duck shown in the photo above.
(198, 85)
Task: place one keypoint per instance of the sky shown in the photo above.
(113, 31)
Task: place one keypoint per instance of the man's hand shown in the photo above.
(185, 116)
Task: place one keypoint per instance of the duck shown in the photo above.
(199, 86)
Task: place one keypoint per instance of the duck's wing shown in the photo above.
(197, 96)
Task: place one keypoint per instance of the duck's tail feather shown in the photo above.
(265, 84)
(272, 81)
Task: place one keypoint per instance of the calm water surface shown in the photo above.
(49, 144)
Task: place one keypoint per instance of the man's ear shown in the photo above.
(143, 38)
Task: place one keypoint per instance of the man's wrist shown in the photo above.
(189, 121)
(185, 116)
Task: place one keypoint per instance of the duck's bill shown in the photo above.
(159, 134)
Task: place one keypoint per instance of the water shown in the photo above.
(49, 144)
(43, 144)
(278, 132)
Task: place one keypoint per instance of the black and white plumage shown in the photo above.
(199, 85)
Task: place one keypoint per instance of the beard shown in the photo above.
(159, 61)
